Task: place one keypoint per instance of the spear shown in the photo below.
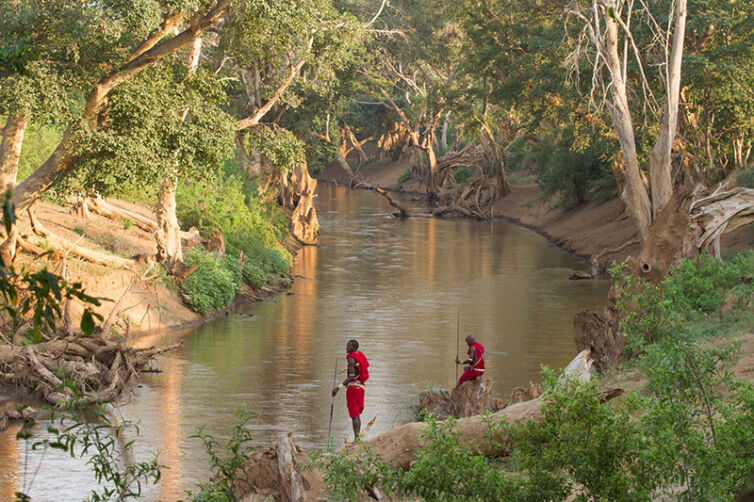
(458, 336)
(332, 401)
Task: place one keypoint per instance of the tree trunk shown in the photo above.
(444, 136)
(633, 194)
(503, 187)
(168, 235)
(10, 150)
(659, 158)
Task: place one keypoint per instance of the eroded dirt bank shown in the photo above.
(591, 229)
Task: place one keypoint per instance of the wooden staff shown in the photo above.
(332, 401)
(458, 337)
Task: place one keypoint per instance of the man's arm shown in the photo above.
(353, 372)
(471, 359)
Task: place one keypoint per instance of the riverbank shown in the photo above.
(122, 273)
(591, 229)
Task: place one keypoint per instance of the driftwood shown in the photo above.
(57, 243)
(261, 473)
(104, 208)
(402, 210)
(717, 214)
(101, 370)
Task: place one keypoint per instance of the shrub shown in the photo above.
(215, 282)
(272, 260)
(254, 275)
(403, 178)
(462, 173)
(746, 177)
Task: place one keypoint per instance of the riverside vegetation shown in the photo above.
(686, 434)
(211, 112)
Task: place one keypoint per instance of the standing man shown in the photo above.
(475, 361)
(358, 374)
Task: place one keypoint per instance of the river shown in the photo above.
(396, 286)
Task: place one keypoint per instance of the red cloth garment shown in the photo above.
(362, 364)
(355, 399)
(475, 369)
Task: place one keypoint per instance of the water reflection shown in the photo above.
(393, 284)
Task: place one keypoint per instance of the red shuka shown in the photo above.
(362, 364)
(474, 369)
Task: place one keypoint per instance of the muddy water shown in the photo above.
(395, 286)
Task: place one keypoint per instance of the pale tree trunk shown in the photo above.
(427, 145)
(659, 158)
(10, 153)
(502, 185)
(444, 135)
(10, 150)
(633, 193)
(168, 234)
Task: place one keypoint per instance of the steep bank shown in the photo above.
(139, 295)
(591, 229)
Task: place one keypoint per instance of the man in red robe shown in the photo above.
(358, 374)
(475, 361)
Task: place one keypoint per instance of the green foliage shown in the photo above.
(462, 173)
(746, 177)
(572, 173)
(215, 282)
(225, 470)
(404, 178)
(81, 429)
(581, 442)
(703, 285)
(447, 470)
(151, 133)
(280, 146)
(227, 202)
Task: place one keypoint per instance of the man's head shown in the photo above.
(352, 346)
(469, 340)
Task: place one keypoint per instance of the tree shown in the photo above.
(133, 35)
(614, 41)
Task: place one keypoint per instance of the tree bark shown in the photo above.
(10, 149)
(633, 194)
(444, 135)
(168, 234)
(659, 158)
(502, 185)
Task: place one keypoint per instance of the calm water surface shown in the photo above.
(396, 287)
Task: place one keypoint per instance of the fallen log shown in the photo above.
(402, 210)
(101, 370)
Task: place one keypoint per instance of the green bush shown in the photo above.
(254, 275)
(272, 260)
(215, 282)
(462, 173)
(404, 178)
(746, 177)
(703, 284)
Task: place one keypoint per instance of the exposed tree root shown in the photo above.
(97, 368)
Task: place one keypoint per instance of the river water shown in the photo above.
(396, 286)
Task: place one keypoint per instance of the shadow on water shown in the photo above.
(394, 285)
